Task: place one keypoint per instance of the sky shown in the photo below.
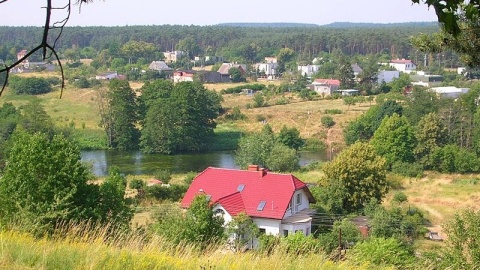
(211, 12)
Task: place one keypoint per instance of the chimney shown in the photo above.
(253, 168)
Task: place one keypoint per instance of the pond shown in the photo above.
(136, 162)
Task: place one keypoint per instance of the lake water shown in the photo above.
(136, 162)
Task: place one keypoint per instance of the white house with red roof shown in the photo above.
(325, 87)
(277, 203)
(403, 65)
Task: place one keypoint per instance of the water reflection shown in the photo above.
(136, 162)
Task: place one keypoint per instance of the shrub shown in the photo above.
(281, 101)
(333, 111)
(407, 169)
(189, 178)
(163, 193)
(258, 100)
(260, 118)
(314, 143)
(137, 184)
(327, 121)
(385, 252)
(236, 114)
(238, 89)
(29, 86)
(164, 175)
(299, 244)
(400, 197)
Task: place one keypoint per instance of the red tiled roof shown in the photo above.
(222, 185)
(327, 81)
(401, 61)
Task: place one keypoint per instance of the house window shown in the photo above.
(261, 205)
(262, 230)
(240, 187)
(289, 206)
(299, 198)
(285, 232)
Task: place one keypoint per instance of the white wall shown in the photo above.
(388, 75)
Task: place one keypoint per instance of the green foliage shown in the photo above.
(81, 83)
(431, 135)
(258, 100)
(44, 184)
(172, 193)
(452, 158)
(119, 114)
(137, 184)
(350, 231)
(407, 169)
(236, 114)
(29, 85)
(394, 139)
(421, 103)
(163, 175)
(189, 178)
(327, 121)
(180, 120)
(356, 175)
(333, 111)
(314, 143)
(379, 251)
(462, 250)
(290, 137)
(400, 197)
(236, 75)
(298, 244)
(243, 229)
(267, 151)
(345, 73)
(239, 89)
(35, 119)
(398, 84)
(200, 226)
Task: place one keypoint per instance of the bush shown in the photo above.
(163, 193)
(236, 114)
(239, 89)
(282, 101)
(137, 184)
(314, 143)
(400, 197)
(384, 252)
(333, 111)
(299, 244)
(189, 178)
(81, 83)
(163, 175)
(327, 121)
(407, 169)
(260, 118)
(30, 85)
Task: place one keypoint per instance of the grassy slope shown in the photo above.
(21, 251)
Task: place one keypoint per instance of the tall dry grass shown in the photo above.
(89, 246)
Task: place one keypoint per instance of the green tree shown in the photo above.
(282, 158)
(327, 121)
(290, 137)
(134, 50)
(112, 207)
(358, 174)
(45, 183)
(398, 84)
(182, 121)
(419, 104)
(284, 57)
(243, 230)
(349, 101)
(258, 100)
(345, 73)
(190, 46)
(255, 148)
(236, 75)
(462, 249)
(395, 139)
(379, 251)
(430, 135)
(35, 119)
(120, 115)
(29, 85)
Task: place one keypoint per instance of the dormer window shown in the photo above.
(299, 198)
(240, 187)
(261, 205)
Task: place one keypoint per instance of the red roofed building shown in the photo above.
(403, 65)
(325, 87)
(277, 203)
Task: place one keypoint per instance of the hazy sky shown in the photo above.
(209, 12)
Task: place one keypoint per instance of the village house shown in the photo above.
(173, 56)
(426, 80)
(279, 204)
(159, 66)
(403, 65)
(449, 91)
(201, 75)
(356, 70)
(325, 87)
(308, 70)
(387, 75)
(225, 67)
(107, 76)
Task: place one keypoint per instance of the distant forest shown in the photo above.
(231, 40)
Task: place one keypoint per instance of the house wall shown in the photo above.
(324, 89)
(388, 75)
(305, 228)
(271, 226)
(407, 68)
(304, 204)
(270, 69)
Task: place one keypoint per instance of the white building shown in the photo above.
(387, 75)
(308, 70)
(403, 65)
(449, 91)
